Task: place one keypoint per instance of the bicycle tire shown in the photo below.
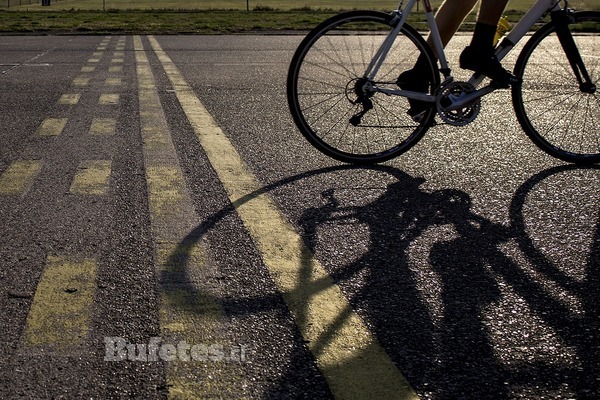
(321, 79)
(557, 116)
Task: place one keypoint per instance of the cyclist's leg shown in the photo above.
(479, 55)
(448, 19)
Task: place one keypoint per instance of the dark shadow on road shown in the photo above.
(439, 337)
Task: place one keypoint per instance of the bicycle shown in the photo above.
(343, 95)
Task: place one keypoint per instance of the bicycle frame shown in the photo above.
(535, 13)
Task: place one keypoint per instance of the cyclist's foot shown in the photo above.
(488, 65)
(414, 81)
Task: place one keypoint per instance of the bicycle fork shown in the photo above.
(561, 19)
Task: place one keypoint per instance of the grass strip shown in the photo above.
(164, 22)
(157, 22)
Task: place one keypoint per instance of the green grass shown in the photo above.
(196, 16)
(157, 22)
(58, 5)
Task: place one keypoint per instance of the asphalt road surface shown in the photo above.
(166, 231)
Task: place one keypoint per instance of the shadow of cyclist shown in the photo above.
(424, 272)
(431, 353)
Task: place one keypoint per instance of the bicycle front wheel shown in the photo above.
(326, 83)
(560, 117)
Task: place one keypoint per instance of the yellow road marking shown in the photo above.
(19, 176)
(103, 126)
(114, 69)
(113, 81)
(52, 126)
(69, 99)
(92, 177)
(117, 60)
(88, 68)
(94, 60)
(188, 310)
(61, 308)
(348, 355)
(109, 99)
(81, 81)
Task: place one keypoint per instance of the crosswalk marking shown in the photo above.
(52, 126)
(88, 68)
(19, 176)
(92, 178)
(347, 354)
(60, 312)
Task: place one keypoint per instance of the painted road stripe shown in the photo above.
(19, 176)
(52, 126)
(354, 364)
(88, 68)
(61, 310)
(81, 81)
(69, 98)
(103, 126)
(187, 310)
(92, 178)
(114, 69)
(109, 99)
(113, 81)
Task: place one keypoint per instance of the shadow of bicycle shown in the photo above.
(464, 306)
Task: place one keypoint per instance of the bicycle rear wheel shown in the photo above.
(326, 77)
(560, 117)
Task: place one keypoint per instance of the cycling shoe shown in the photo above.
(488, 65)
(414, 81)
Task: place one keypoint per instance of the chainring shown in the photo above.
(448, 94)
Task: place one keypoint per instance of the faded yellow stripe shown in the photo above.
(92, 177)
(52, 126)
(88, 68)
(81, 81)
(69, 98)
(61, 308)
(113, 81)
(103, 126)
(109, 99)
(19, 176)
(188, 310)
(114, 69)
(348, 355)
